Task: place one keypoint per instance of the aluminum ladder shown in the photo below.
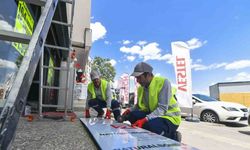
(67, 68)
(18, 93)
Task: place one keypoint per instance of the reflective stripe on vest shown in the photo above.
(173, 112)
(104, 85)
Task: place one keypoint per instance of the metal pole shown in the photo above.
(41, 84)
(69, 59)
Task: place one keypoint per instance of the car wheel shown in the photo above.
(209, 116)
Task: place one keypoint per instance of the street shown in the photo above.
(210, 136)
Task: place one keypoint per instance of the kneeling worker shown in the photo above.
(157, 109)
(99, 97)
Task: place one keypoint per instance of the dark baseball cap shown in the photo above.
(141, 68)
(94, 74)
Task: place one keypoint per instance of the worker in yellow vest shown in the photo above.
(157, 109)
(99, 96)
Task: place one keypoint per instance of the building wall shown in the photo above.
(214, 91)
(234, 88)
(81, 19)
(238, 92)
(242, 98)
(81, 36)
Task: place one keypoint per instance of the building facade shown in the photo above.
(238, 92)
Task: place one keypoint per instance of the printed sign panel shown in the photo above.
(181, 55)
(111, 135)
(24, 24)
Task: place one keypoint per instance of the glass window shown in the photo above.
(15, 16)
(205, 98)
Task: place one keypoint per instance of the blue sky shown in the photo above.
(217, 32)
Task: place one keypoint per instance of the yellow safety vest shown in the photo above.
(173, 112)
(104, 85)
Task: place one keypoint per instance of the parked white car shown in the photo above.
(209, 109)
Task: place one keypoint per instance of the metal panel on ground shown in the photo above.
(110, 135)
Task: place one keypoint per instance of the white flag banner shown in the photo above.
(181, 55)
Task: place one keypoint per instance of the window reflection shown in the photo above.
(15, 16)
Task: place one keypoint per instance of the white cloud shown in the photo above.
(197, 66)
(5, 26)
(132, 50)
(195, 43)
(157, 74)
(142, 43)
(7, 64)
(131, 58)
(242, 76)
(113, 62)
(199, 60)
(125, 42)
(151, 51)
(238, 65)
(98, 31)
(201, 91)
(107, 42)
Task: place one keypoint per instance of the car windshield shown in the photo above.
(205, 98)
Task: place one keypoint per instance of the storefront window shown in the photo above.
(15, 16)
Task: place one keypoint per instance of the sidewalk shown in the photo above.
(47, 134)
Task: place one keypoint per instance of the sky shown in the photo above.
(216, 31)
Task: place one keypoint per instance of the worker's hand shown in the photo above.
(126, 112)
(108, 114)
(140, 123)
(87, 115)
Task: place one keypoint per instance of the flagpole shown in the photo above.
(182, 64)
(192, 118)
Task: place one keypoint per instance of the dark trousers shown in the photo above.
(98, 105)
(157, 125)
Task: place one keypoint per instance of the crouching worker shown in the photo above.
(156, 109)
(99, 97)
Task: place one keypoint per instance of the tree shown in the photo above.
(104, 66)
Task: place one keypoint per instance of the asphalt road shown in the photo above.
(210, 136)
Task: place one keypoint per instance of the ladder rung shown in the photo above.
(66, 1)
(55, 106)
(57, 47)
(56, 68)
(53, 87)
(36, 2)
(14, 37)
(61, 23)
(36, 82)
(43, 2)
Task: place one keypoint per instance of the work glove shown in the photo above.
(87, 115)
(108, 114)
(126, 112)
(140, 123)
